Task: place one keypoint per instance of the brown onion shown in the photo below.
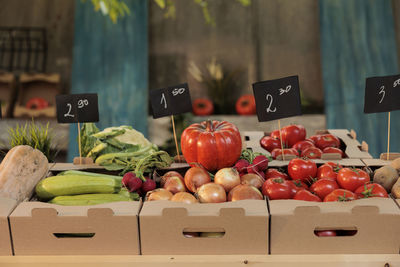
(212, 234)
(244, 191)
(252, 179)
(228, 178)
(165, 177)
(175, 184)
(196, 177)
(158, 194)
(184, 197)
(211, 193)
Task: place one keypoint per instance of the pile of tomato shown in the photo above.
(295, 143)
(329, 182)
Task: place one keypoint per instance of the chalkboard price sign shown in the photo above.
(277, 99)
(77, 108)
(382, 94)
(169, 101)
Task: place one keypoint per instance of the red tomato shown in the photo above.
(371, 190)
(315, 138)
(327, 140)
(275, 134)
(333, 150)
(307, 196)
(312, 153)
(287, 151)
(277, 188)
(302, 169)
(340, 195)
(292, 134)
(351, 179)
(323, 187)
(297, 185)
(203, 107)
(329, 170)
(275, 173)
(37, 103)
(269, 143)
(326, 233)
(302, 145)
(212, 144)
(246, 105)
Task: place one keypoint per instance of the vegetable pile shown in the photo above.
(328, 182)
(77, 188)
(295, 143)
(122, 149)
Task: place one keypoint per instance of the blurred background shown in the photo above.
(121, 49)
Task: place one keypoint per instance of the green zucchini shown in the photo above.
(89, 199)
(65, 185)
(93, 174)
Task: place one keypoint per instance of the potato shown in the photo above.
(396, 164)
(396, 189)
(386, 176)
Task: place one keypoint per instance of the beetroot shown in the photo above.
(134, 184)
(148, 185)
(261, 162)
(128, 177)
(241, 165)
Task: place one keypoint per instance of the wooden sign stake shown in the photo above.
(79, 144)
(176, 140)
(280, 136)
(388, 145)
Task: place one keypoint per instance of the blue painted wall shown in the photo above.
(111, 60)
(357, 41)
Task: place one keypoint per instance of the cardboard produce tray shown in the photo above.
(39, 228)
(6, 207)
(375, 220)
(349, 144)
(110, 228)
(244, 224)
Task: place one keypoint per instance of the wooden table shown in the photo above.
(204, 260)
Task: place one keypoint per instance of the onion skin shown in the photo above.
(165, 177)
(175, 184)
(252, 179)
(228, 178)
(211, 193)
(244, 191)
(158, 194)
(184, 197)
(195, 177)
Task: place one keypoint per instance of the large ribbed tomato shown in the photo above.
(214, 145)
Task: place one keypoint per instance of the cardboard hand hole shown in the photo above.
(334, 232)
(74, 235)
(204, 234)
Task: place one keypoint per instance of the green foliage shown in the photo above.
(116, 9)
(34, 135)
(169, 7)
(113, 8)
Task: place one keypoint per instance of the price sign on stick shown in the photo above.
(277, 99)
(171, 101)
(76, 109)
(382, 94)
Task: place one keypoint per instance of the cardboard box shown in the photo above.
(293, 222)
(350, 145)
(6, 207)
(46, 229)
(244, 224)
